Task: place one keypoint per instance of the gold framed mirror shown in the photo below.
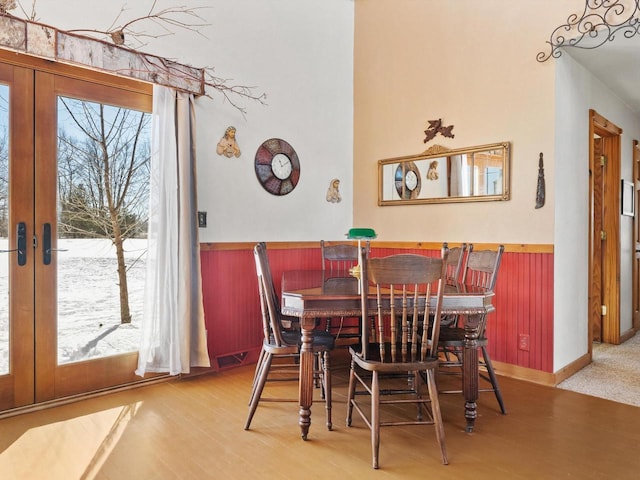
(441, 175)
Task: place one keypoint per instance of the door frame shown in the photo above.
(607, 263)
(636, 237)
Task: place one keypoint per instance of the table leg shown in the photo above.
(470, 369)
(305, 384)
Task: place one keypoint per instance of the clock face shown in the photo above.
(407, 180)
(281, 166)
(277, 166)
(411, 180)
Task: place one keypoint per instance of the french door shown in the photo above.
(44, 280)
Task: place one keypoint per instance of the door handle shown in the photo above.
(46, 244)
(21, 241)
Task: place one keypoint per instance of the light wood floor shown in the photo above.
(193, 429)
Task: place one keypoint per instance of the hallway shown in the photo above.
(614, 373)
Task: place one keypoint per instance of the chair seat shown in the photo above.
(375, 363)
(321, 340)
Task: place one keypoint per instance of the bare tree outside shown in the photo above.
(103, 177)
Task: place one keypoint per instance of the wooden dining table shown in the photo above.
(312, 294)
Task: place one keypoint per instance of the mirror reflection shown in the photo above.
(441, 175)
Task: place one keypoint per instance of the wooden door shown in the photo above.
(597, 216)
(604, 268)
(33, 367)
(16, 263)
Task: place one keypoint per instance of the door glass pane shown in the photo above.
(103, 187)
(4, 221)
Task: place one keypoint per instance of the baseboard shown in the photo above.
(627, 335)
(572, 368)
(523, 373)
(541, 378)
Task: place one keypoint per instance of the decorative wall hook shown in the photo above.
(435, 127)
(540, 190)
(599, 23)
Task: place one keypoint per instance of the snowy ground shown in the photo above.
(88, 300)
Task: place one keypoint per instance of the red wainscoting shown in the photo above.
(524, 302)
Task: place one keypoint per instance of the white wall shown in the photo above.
(301, 55)
(577, 90)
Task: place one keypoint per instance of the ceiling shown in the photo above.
(617, 65)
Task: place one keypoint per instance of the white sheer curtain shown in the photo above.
(460, 181)
(173, 330)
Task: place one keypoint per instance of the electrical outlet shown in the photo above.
(523, 342)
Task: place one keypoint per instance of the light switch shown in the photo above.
(202, 219)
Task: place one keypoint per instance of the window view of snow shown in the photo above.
(88, 300)
(89, 323)
(103, 187)
(102, 211)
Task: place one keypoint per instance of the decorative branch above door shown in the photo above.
(48, 42)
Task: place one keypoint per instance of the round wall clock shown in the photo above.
(407, 180)
(277, 166)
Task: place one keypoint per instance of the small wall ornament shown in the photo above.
(333, 193)
(540, 190)
(432, 173)
(436, 127)
(228, 145)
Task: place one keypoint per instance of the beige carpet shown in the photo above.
(614, 373)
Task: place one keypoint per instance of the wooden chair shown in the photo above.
(480, 269)
(400, 346)
(337, 260)
(283, 344)
(453, 267)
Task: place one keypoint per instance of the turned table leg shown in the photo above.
(305, 392)
(470, 369)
